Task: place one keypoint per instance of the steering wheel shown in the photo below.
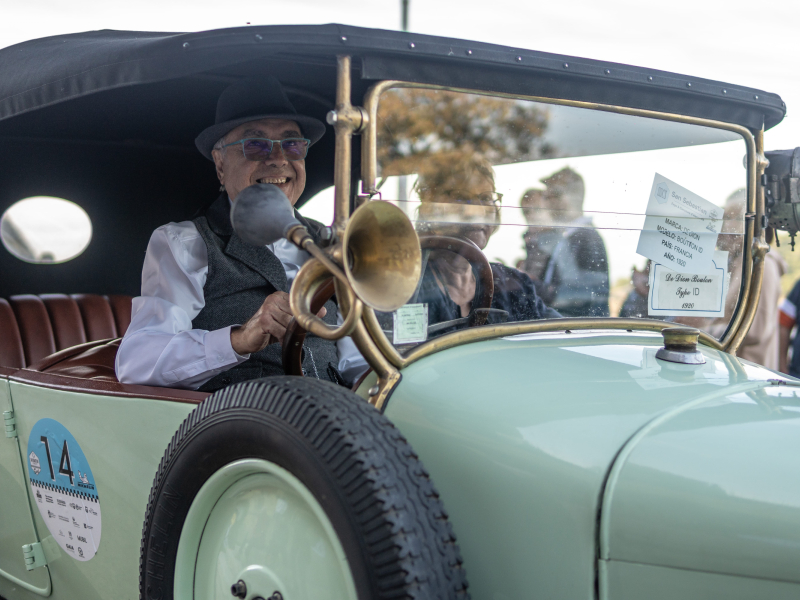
(292, 345)
(470, 251)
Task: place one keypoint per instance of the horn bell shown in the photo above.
(382, 255)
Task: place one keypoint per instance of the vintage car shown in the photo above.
(531, 425)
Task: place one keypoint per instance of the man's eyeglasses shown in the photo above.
(258, 149)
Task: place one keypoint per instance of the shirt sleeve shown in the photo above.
(160, 347)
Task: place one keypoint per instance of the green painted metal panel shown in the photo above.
(123, 440)
(519, 435)
(15, 516)
(255, 522)
(632, 581)
(715, 488)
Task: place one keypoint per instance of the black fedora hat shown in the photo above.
(250, 100)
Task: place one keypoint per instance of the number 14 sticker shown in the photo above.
(64, 489)
(65, 466)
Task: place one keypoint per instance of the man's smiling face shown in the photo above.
(236, 173)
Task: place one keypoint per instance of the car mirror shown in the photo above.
(262, 214)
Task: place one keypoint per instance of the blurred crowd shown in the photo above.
(566, 258)
(565, 270)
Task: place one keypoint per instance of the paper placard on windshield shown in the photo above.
(680, 228)
(410, 324)
(689, 294)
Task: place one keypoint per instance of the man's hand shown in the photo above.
(265, 327)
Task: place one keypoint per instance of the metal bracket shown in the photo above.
(34, 556)
(792, 197)
(772, 189)
(11, 424)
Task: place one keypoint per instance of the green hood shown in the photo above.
(554, 450)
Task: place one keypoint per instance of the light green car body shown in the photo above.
(571, 466)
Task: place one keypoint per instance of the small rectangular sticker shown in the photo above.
(691, 294)
(410, 324)
(680, 228)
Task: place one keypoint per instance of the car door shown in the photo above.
(16, 525)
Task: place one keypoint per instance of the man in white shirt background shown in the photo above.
(214, 310)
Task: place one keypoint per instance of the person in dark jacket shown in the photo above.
(635, 304)
(565, 254)
(462, 202)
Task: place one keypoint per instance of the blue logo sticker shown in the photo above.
(57, 463)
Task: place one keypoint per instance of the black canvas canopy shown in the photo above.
(107, 119)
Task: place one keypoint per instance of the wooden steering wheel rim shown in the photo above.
(292, 344)
(470, 251)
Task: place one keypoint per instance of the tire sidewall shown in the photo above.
(225, 438)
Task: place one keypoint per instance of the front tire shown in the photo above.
(299, 487)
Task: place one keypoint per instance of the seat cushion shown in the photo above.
(11, 352)
(121, 307)
(94, 363)
(65, 319)
(34, 327)
(98, 317)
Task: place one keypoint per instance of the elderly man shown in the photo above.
(213, 310)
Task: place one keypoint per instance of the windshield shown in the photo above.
(530, 211)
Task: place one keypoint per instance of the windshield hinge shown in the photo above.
(11, 424)
(34, 556)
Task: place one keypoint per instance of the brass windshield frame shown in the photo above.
(754, 236)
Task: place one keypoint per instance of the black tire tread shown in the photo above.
(410, 542)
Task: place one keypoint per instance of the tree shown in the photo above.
(423, 129)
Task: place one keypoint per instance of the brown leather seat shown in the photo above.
(92, 360)
(34, 327)
(70, 343)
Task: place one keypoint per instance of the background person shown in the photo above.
(635, 305)
(574, 279)
(761, 344)
(787, 320)
(535, 208)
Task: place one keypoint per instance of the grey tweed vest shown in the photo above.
(240, 277)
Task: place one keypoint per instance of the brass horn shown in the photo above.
(378, 260)
(383, 257)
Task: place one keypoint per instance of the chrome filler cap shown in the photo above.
(680, 346)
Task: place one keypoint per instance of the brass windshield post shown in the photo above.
(758, 248)
(346, 120)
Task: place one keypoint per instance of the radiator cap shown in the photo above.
(680, 346)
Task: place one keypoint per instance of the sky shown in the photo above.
(730, 41)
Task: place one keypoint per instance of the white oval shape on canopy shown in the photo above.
(45, 230)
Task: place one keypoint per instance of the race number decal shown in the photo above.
(63, 488)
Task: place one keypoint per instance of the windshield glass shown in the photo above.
(530, 211)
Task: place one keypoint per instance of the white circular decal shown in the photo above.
(63, 488)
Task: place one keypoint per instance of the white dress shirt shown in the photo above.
(160, 347)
